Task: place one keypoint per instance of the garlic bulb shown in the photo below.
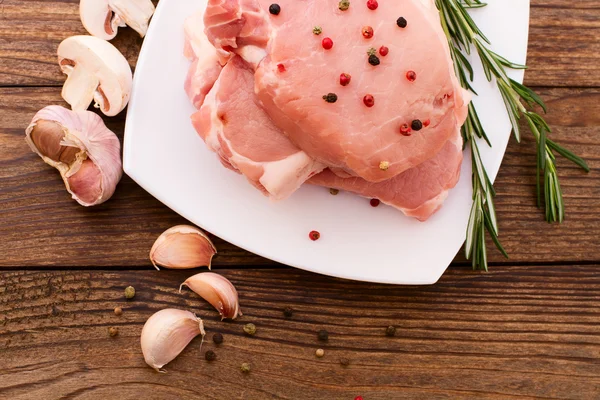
(166, 334)
(85, 152)
(182, 247)
(218, 291)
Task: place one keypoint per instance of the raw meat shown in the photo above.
(233, 125)
(294, 72)
(418, 192)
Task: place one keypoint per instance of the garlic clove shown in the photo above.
(218, 291)
(182, 247)
(85, 152)
(166, 334)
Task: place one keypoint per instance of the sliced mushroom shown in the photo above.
(102, 18)
(97, 72)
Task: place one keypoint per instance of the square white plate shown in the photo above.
(167, 158)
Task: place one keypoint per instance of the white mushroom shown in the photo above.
(97, 72)
(102, 18)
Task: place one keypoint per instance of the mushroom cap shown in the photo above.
(96, 70)
(102, 18)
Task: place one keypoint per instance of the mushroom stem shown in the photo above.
(79, 88)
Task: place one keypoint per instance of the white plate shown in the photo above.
(166, 157)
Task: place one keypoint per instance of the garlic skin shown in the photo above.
(218, 291)
(166, 334)
(85, 152)
(182, 247)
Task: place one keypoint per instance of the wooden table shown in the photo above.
(529, 328)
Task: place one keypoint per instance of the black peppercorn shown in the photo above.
(390, 331)
(374, 60)
(416, 125)
(344, 362)
(330, 97)
(323, 335)
(402, 23)
(218, 338)
(288, 312)
(210, 355)
(274, 9)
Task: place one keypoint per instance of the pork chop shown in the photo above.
(418, 103)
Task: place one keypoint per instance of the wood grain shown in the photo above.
(564, 45)
(526, 332)
(39, 225)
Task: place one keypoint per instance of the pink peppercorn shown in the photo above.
(426, 123)
(384, 51)
(367, 32)
(358, 398)
(372, 4)
(411, 76)
(374, 202)
(345, 79)
(314, 235)
(281, 67)
(369, 100)
(405, 130)
(327, 43)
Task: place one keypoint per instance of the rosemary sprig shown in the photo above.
(463, 35)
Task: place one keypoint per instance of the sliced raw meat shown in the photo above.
(234, 126)
(418, 192)
(205, 67)
(294, 71)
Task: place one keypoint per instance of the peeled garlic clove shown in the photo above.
(85, 152)
(218, 291)
(166, 334)
(182, 247)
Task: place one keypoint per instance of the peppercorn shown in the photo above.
(345, 79)
(250, 329)
(210, 356)
(314, 235)
(384, 51)
(401, 22)
(416, 125)
(129, 292)
(411, 76)
(390, 331)
(323, 335)
(367, 32)
(372, 51)
(372, 4)
(274, 9)
(112, 331)
(374, 60)
(217, 338)
(334, 192)
(405, 130)
(330, 97)
(426, 123)
(317, 30)
(344, 5)
(320, 353)
(118, 311)
(288, 312)
(281, 67)
(344, 362)
(327, 43)
(245, 367)
(369, 100)
(374, 202)
(358, 398)
(384, 165)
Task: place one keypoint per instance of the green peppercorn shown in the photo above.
(344, 5)
(317, 30)
(323, 335)
(245, 367)
(250, 329)
(372, 51)
(218, 338)
(210, 356)
(390, 331)
(129, 292)
(288, 312)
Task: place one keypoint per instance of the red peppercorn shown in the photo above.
(314, 235)
(411, 76)
(367, 32)
(369, 100)
(345, 79)
(384, 51)
(281, 67)
(426, 123)
(405, 130)
(372, 4)
(374, 202)
(327, 43)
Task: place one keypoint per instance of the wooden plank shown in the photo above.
(517, 331)
(564, 42)
(40, 225)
